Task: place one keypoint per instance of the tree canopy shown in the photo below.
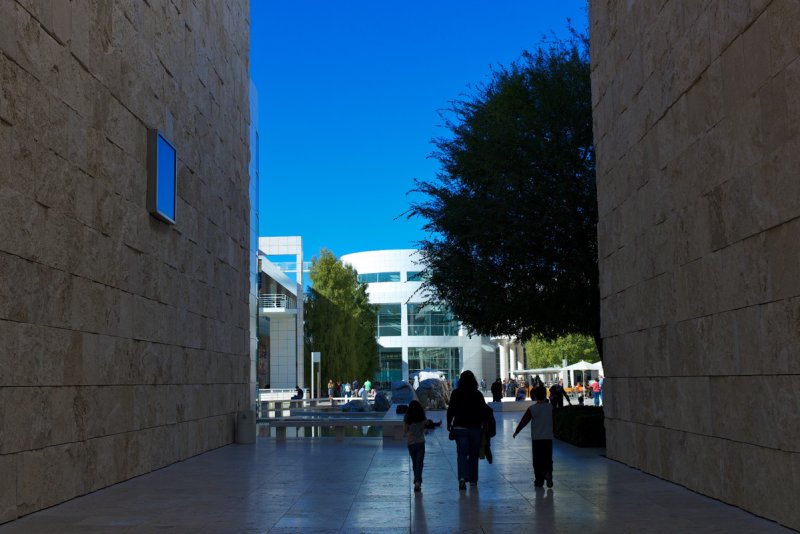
(550, 353)
(512, 214)
(340, 321)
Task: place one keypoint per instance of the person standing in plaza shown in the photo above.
(465, 416)
(557, 395)
(414, 428)
(540, 415)
(596, 394)
(497, 391)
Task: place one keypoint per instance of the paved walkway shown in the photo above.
(363, 485)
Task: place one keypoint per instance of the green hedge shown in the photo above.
(581, 425)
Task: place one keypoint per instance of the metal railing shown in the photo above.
(277, 301)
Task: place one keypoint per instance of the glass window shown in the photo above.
(389, 277)
(162, 186)
(445, 359)
(390, 366)
(431, 320)
(368, 278)
(414, 276)
(389, 320)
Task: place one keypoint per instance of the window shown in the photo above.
(431, 320)
(415, 276)
(389, 320)
(371, 278)
(445, 359)
(390, 366)
(162, 177)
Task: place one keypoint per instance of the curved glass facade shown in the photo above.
(372, 278)
(445, 359)
(389, 320)
(430, 320)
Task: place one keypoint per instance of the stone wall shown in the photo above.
(123, 340)
(697, 129)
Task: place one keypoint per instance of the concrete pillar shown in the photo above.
(503, 360)
(519, 354)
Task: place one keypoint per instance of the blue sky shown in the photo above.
(349, 95)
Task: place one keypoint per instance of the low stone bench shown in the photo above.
(392, 428)
(510, 406)
(283, 405)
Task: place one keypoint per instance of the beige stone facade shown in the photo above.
(697, 129)
(123, 340)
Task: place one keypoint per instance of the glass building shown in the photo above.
(413, 334)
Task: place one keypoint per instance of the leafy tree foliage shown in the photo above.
(512, 214)
(340, 321)
(550, 353)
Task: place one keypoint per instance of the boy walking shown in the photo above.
(540, 415)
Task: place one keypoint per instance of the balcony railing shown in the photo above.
(277, 301)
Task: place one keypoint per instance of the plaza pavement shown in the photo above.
(320, 485)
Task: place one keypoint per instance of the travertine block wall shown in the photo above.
(697, 129)
(123, 341)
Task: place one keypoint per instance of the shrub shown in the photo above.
(582, 426)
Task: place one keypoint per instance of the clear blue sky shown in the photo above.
(349, 94)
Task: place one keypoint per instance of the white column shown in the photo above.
(519, 355)
(503, 360)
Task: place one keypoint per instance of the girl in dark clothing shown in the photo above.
(465, 416)
(414, 424)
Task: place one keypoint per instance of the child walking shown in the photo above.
(414, 427)
(540, 414)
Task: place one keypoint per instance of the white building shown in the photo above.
(413, 335)
(280, 314)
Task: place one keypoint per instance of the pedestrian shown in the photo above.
(483, 385)
(330, 388)
(540, 415)
(497, 390)
(596, 393)
(557, 395)
(347, 390)
(465, 417)
(414, 423)
(298, 393)
(600, 391)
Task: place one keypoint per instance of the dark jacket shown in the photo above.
(467, 408)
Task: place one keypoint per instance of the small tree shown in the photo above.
(512, 215)
(551, 353)
(340, 321)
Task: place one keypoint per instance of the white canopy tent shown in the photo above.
(588, 370)
(550, 375)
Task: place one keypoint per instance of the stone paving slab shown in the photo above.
(364, 485)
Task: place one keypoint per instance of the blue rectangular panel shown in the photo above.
(166, 179)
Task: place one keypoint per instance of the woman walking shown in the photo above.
(465, 416)
(414, 427)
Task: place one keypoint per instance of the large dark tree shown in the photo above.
(512, 214)
(340, 322)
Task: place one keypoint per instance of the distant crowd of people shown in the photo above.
(347, 390)
(521, 390)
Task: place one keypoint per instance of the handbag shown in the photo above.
(452, 435)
